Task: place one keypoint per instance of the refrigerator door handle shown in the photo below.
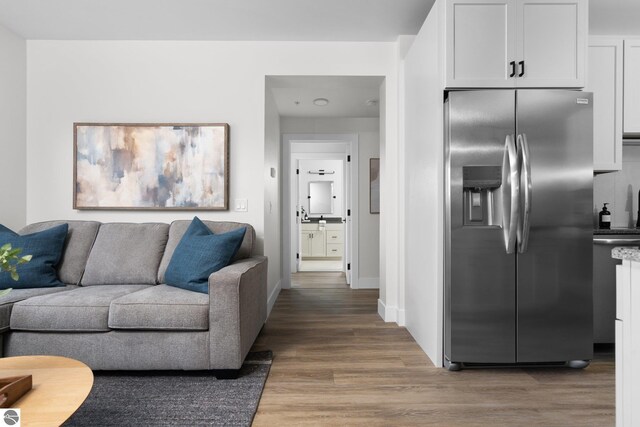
(525, 218)
(510, 194)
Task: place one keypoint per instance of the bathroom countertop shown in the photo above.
(626, 253)
(330, 220)
(621, 231)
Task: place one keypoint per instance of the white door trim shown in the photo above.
(340, 145)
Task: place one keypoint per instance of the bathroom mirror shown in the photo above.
(321, 197)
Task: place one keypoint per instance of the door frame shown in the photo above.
(338, 146)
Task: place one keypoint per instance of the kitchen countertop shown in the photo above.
(626, 253)
(622, 231)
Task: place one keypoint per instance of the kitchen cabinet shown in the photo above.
(632, 87)
(480, 43)
(515, 43)
(605, 80)
(627, 343)
(321, 241)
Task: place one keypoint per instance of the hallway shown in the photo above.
(337, 363)
(319, 280)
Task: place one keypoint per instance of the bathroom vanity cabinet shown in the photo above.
(321, 241)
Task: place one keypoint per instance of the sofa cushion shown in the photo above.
(161, 307)
(178, 228)
(200, 253)
(45, 247)
(7, 301)
(126, 254)
(80, 238)
(81, 309)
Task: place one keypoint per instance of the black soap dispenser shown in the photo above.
(605, 218)
(638, 220)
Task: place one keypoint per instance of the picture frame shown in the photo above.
(151, 166)
(374, 185)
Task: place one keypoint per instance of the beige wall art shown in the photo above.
(151, 166)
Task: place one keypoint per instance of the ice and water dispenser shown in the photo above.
(482, 197)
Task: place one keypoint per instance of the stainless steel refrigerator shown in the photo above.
(518, 235)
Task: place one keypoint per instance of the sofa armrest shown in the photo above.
(237, 310)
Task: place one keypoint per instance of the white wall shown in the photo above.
(13, 122)
(272, 197)
(385, 309)
(170, 81)
(368, 131)
(403, 45)
(620, 190)
(423, 215)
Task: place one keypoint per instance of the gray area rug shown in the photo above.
(175, 398)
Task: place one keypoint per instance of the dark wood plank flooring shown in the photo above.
(319, 280)
(337, 363)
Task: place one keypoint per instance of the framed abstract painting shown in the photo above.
(374, 186)
(151, 166)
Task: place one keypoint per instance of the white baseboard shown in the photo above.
(402, 320)
(381, 309)
(273, 297)
(388, 314)
(368, 283)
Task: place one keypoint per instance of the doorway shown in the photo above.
(321, 193)
(328, 126)
(321, 215)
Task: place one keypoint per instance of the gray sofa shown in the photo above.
(115, 313)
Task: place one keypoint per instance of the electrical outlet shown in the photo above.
(242, 205)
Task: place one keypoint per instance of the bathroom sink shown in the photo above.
(330, 220)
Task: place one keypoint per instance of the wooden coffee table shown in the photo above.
(60, 385)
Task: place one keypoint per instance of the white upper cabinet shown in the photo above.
(516, 43)
(604, 79)
(632, 87)
(551, 43)
(480, 43)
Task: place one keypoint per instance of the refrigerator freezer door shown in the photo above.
(554, 291)
(480, 274)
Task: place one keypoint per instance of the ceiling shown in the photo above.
(265, 20)
(273, 20)
(347, 96)
(282, 20)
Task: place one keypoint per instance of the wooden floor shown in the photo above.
(337, 363)
(319, 280)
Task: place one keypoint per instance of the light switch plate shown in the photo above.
(241, 205)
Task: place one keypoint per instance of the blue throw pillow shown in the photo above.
(200, 253)
(45, 247)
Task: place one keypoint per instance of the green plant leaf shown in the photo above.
(14, 252)
(9, 259)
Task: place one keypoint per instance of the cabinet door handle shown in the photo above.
(521, 63)
(513, 68)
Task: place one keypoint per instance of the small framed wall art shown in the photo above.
(374, 185)
(167, 166)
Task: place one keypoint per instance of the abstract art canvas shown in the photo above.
(151, 166)
(374, 186)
